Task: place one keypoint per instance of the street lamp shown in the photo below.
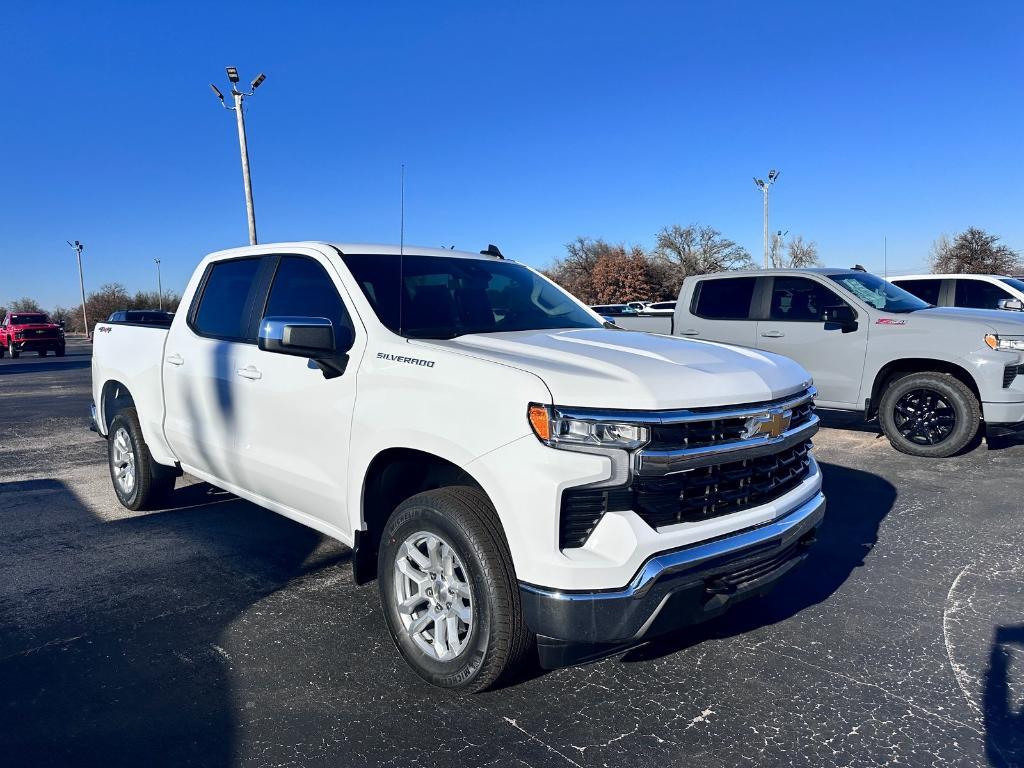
(238, 97)
(764, 187)
(159, 285)
(78, 247)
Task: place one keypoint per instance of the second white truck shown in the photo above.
(509, 469)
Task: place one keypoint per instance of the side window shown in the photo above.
(303, 288)
(926, 290)
(724, 299)
(223, 310)
(979, 294)
(799, 299)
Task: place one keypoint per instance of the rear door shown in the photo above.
(293, 424)
(795, 328)
(720, 310)
(201, 357)
(930, 289)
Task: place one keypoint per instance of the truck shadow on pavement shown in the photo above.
(12, 368)
(1003, 711)
(857, 503)
(110, 629)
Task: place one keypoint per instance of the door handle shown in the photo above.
(772, 334)
(250, 372)
(690, 332)
(175, 359)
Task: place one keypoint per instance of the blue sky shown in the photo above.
(524, 126)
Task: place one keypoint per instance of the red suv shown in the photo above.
(30, 331)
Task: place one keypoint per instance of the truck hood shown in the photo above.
(992, 320)
(606, 368)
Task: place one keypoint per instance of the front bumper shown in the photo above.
(34, 345)
(671, 590)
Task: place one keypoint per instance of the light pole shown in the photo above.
(765, 186)
(239, 98)
(159, 285)
(78, 247)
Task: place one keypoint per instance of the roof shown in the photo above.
(783, 271)
(373, 249)
(948, 276)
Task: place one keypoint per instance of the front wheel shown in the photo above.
(12, 350)
(449, 591)
(139, 482)
(59, 352)
(929, 414)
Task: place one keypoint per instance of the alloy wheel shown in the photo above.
(433, 596)
(123, 460)
(924, 416)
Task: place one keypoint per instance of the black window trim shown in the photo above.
(751, 311)
(766, 313)
(260, 286)
(263, 296)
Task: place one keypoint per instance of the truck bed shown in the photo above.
(132, 355)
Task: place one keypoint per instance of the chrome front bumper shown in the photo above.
(671, 590)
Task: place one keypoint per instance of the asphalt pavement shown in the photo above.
(216, 633)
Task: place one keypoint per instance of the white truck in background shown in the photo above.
(933, 376)
(509, 469)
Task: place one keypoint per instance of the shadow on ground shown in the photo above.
(1004, 712)
(857, 503)
(109, 648)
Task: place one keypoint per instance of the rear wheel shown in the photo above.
(929, 414)
(139, 482)
(449, 591)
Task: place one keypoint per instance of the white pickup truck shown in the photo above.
(506, 466)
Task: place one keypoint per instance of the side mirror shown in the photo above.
(314, 338)
(842, 316)
(1014, 305)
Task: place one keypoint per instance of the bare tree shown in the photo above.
(25, 304)
(800, 254)
(575, 272)
(973, 251)
(696, 250)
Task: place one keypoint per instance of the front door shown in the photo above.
(795, 327)
(294, 424)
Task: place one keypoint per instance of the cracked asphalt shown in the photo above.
(215, 633)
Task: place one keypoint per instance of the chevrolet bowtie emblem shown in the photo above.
(771, 424)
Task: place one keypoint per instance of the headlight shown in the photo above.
(1005, 343)
(558, 430)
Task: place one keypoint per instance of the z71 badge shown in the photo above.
(889, 321)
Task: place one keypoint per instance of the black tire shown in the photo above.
(498, 639)
(14, 353)
(950, 415)
(3, 351)
(152, 482)
(59, 352)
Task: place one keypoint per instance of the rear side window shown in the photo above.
(223, 310)
(979, 294)
(725, 299)
(926, 290)
(303, 288)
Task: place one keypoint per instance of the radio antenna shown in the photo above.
(401, 251)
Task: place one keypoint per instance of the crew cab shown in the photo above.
(971, 291)
(931, 375)
(509, 469)
(30, 332)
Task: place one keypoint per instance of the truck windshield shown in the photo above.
(880, 294)
(28, 319)
(444, 297)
